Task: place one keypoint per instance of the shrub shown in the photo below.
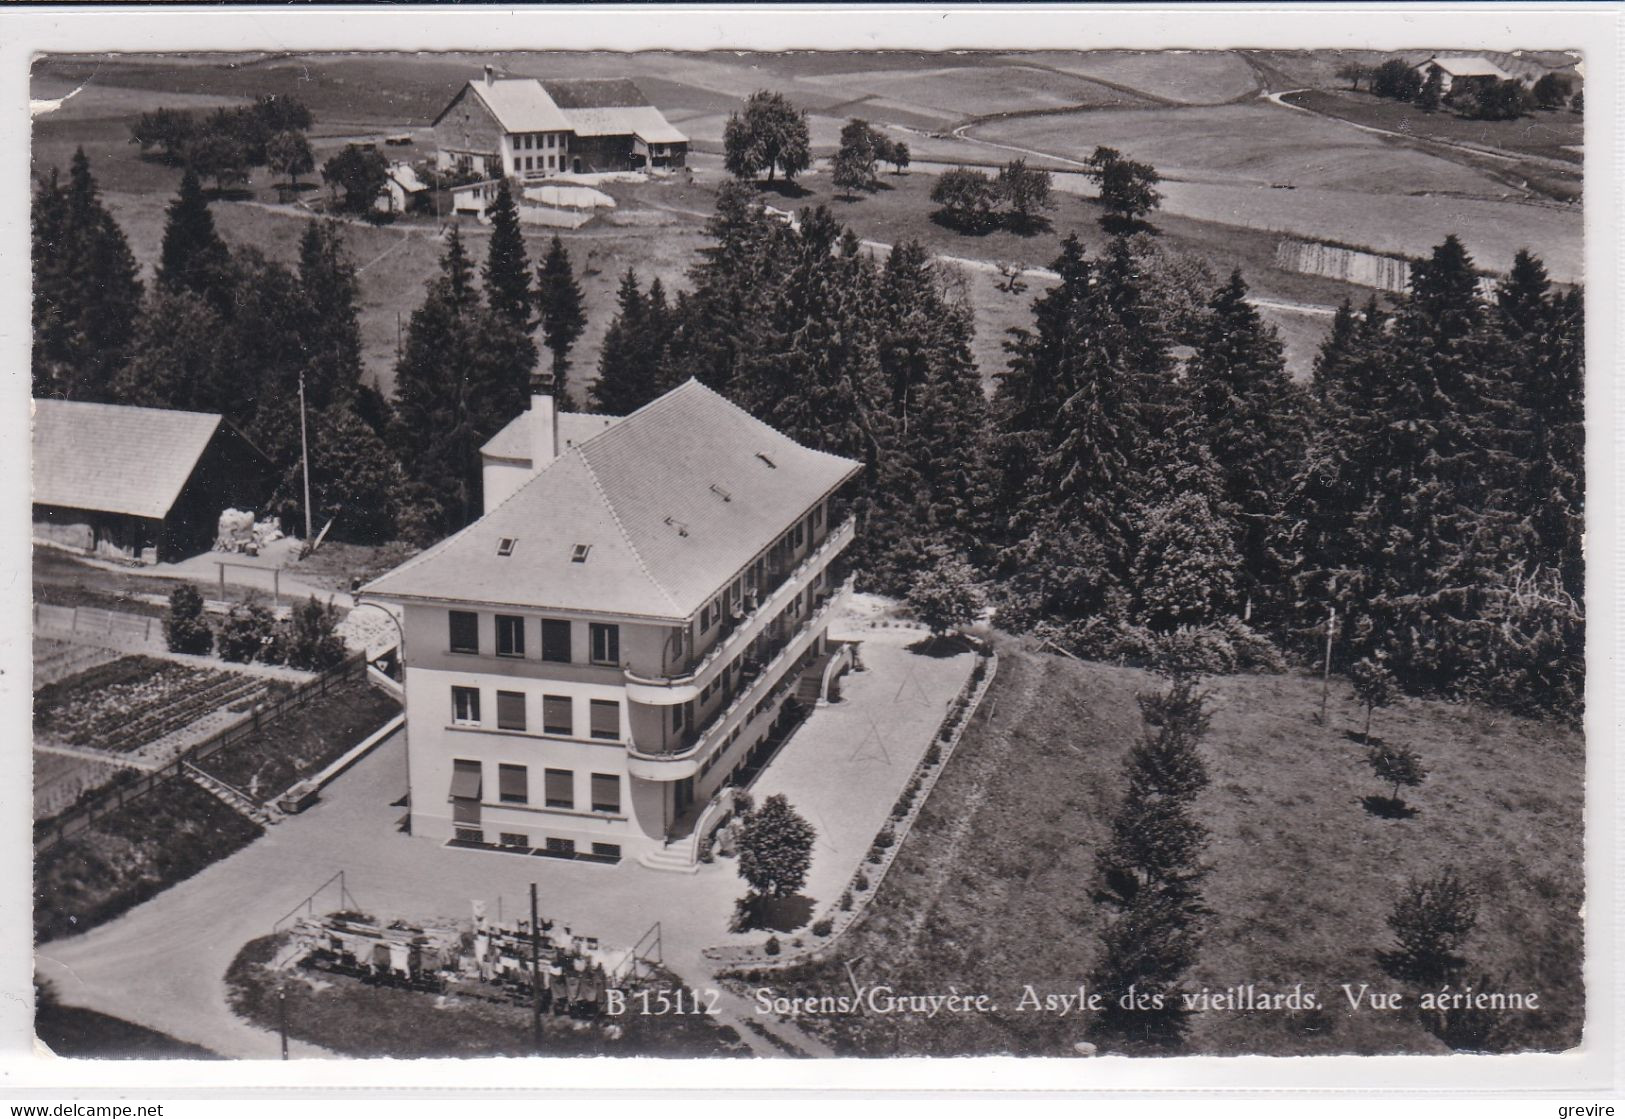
(1254, 651)
(247, 633)
(846, 899)
(1195, 650)
(1430, 922)
(861, 882)
(772, 946)
(874, 856)
(933, 756)
(185, 627)
(312, 643)
(885, 838)
(823, 927)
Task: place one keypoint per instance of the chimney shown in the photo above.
(544, 430)
(490, 74)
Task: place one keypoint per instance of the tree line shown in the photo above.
(224, 144)
(1473, 97)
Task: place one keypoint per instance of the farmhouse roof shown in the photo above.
(645, 122)
(593, 93)
(575, 428)
(114, 458)
(670, 503)
(406, 177)
(1468, 66)
(520, 105)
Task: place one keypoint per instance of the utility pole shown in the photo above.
(535, 971)
(282, 1016)
(304, 459)
(1326, 672)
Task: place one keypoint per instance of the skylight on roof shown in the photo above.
(771, 465)
(720, 492)
(578, 554)
(505, 546)
(682, 529)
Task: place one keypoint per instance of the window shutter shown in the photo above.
(557, 715)
(513, 783)
(606, 718)
(465, 780)
(511, 710)
(560, 788)
(606, 792)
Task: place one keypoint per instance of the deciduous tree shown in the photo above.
(769, 135)
(1128, 189)
(775, 851)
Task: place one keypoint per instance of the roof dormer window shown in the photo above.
(578, 554)
(505, 546)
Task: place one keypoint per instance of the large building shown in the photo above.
(146, 484)
(1466, 69)
(533, 128)
(589, 663)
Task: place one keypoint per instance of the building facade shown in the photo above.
(532, 129)
(591, 663)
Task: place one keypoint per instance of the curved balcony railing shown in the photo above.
(772, 679)
(665, 691)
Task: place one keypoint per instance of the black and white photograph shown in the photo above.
(813, 553)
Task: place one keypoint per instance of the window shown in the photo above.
(550, 160)
(469, 835)
(705, 617)
(606, 792)
(564, 847)
(606, 644)
(677, 717)
(557, 715)
(801, 535)
(505, 546)
(551, 138)
(515, 839)
(606, 718)
(465, 632)
(607, 850)
(465, 707)
(555, 640)
(513, 784)
(561, 791)
(510, 636)
(510, 710)
(818, 515)
(466, 791)
(578, 554)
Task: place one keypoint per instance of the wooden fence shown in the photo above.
(75, 820)
(94, 621)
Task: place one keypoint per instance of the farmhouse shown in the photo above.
(146, 484)
(1471, 68)
(590, 663)
(532, 128)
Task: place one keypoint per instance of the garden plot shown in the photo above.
(126, 704)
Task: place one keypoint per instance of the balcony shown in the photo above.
(666, 691)
(772, 678)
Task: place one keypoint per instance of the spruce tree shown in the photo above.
(182, 357)
(507, 268)
(194, 258)
(87, 291)
(558, 304)
(331, 330)
(1248, 415)
(627, 372)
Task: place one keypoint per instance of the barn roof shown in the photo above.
(114, 458)
(1468, 66)
(671, 503)
(593, 93)
(645, 122)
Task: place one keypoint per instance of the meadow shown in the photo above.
(993, 887)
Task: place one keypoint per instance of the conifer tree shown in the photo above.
(628, 366)
(331, 331)
(558, 304)
(507, 268)
(87, 291)
(1248, 416)
(194, 258)
(182, 356)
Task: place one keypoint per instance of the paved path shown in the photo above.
(162, 964)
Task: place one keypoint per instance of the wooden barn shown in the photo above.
(145, 484)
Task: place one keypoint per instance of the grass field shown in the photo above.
(991, 890)
(301, 742)
(131, 854)
(1551, 135)
(1198, 78)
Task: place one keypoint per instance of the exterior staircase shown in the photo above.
(676, 859)
(232, 798)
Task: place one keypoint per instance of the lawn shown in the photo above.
(131, 854)
(302, 741)
(125, 704)
(1549, 135)
(359, 1019)
(992, 889)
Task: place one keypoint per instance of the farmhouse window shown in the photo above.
(510, 636)
(465, 631)
(551, 137)
(561, 790)
(555, 640)
(466, 782)
(513, 784)
(511, 710)
(557, 716)
(606, 792)
(465, 706)
(606, 718)
(606, 644)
